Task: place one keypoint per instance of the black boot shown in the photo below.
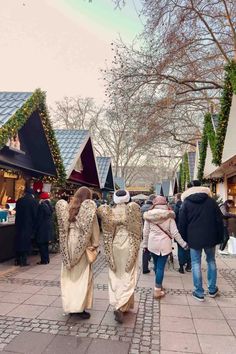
(23, 261)
(181, 269)
(188, 268)
(84, 315)
(119, 316)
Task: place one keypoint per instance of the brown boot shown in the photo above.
(158, 293)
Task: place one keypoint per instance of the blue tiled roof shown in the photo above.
(70, 144)
(166, 183)
(10, 102)
(191, 163)
(103, 164)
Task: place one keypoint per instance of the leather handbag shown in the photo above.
(91, 255)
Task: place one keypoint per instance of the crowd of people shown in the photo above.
(195, 222)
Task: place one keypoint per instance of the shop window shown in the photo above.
(14, 144)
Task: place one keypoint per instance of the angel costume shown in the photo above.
(76, 272)
(122, 236)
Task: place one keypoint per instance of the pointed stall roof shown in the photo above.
(76, 148)
(167, 188)
(25, 114)
(10, 102)
(158, 189)
(229, 150)
(71, 143)
(105, 173)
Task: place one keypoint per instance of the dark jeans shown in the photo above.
(226, 239)
(21, 258)
(43, 250)
(184, 257)
(146, 259)
(159, 266)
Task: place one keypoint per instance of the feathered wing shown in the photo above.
(62, 212)
(84, 226)
(108, 228)
(135, 233)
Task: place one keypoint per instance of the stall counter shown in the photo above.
(7, 241)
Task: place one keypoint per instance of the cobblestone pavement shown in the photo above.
(32, 320)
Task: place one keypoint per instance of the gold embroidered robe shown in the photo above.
(122, 227)
(76, 272)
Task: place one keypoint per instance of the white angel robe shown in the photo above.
(122, 237)
(76, 272)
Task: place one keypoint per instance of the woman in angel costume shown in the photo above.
(122, 229)
(78, 231)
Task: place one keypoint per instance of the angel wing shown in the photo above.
(84, 226)
(108, 227)
(62, 212)
(135, 233)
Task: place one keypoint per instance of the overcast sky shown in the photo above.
(60, 45)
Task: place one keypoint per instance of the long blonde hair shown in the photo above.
(80, 196)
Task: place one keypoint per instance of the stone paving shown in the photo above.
(32, 320)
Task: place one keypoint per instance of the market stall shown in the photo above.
(79, 161)
(105, 176)
(28, 153)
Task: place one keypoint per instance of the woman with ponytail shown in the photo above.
(79, 236)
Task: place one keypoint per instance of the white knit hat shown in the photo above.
(121, 196)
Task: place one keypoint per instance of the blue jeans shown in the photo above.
(196, 257)
(183, 256)
(159, 267)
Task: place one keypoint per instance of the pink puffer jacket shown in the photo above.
(153, 237)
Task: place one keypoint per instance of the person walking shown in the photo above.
(146, 256)
(201, 225)
(183, 255)
(26, 214)
(79, 240)
(122, 231)
(159, 230)
(44, 227)
(225, 210)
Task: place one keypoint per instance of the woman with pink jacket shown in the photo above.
(159, 230)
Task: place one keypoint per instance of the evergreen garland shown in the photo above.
(180, 177)
(216, 140)
(208, 134)
(226, 100)
(36, 102)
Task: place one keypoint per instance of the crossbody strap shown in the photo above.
(165, 232)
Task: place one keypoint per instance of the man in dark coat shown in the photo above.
(26, 213)
(225, 209)
(183, 255)
(44, 227)
(201, 226)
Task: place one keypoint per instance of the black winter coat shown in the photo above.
(177, 207)
(26, 213)
(200, 221)
(44, 227)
